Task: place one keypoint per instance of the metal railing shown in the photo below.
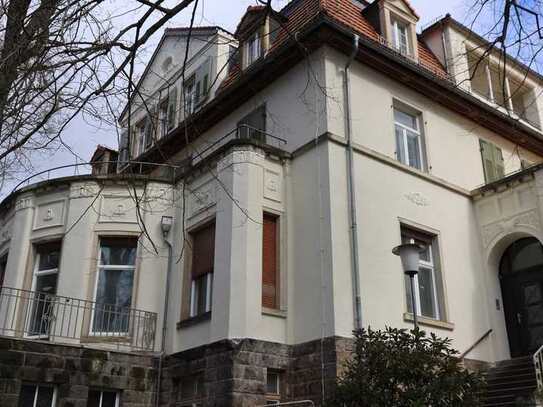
(242, 132)
(538, 364)
(39, 315)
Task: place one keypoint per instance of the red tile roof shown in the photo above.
(300, 13)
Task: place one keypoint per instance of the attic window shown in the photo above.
(400, 37)
(252, 49)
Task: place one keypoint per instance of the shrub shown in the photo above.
(396, 367)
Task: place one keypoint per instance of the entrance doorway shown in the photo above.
(521, 277)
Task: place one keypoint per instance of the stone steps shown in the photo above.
(511, 383)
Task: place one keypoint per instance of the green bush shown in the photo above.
(396, 367)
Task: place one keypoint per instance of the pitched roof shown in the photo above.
(300, 13)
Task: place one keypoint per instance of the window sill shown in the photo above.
(274, 312)
(408, 317)
(194, 320)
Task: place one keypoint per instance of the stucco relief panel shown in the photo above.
(117, 209)
(273, 185)
(529, 219)
(49, 214)
(202, 198)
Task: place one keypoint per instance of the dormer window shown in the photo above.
(253, 49)
(400, 37)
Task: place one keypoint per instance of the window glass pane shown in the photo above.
(406, 119)
(414, 151)
(113, 297)
(272, 383)
(47, 283)
(93, 399)
(26, 398)
(45, 397)
(408, 294)
(400, 147)
(426, 292)
(49, 256)
(109, 399)
(201, 294)
(121, 252)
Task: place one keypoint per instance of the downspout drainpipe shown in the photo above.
(351, 187)
(164, 321)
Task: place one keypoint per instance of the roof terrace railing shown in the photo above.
(54, 318)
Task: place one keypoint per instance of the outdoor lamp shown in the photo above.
(166, 224)
(410, 255)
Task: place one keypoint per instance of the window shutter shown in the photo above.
(203, 73)
(269, 262)
(203, 251)
(493, 163)
(172, 108)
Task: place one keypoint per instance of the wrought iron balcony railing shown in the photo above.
(38, 315)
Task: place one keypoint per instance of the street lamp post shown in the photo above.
(410, 255)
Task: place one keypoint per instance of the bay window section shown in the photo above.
(409, 143)
(203, 258)
(114, 285)
(428, 282)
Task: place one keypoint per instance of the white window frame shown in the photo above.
(38, 273)
(100, 267)
(117, 394)
(275, 397)
(194, 296)
(163, 108)
(189, 97)
(405, 130)
(428, 265)
(36, 392)
(253, 49)
(399, 27)
(140, 137)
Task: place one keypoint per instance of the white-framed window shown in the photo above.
(253, 48)
(103, 398)
(37, 395)
(200, 295)
(273, 387)
(44, 286)
(189, 96)
(428, 280)
(3, 268)
(139, 148)
(203, 257)
(400, 32)
(409, 143)
(114, 285)
(163, 119)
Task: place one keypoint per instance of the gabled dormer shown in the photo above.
(256, 33)
(396, 22)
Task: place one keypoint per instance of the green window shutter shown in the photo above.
(492, 158)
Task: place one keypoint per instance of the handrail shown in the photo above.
(40, 315)
(477, 342)
(236, 131)
(538, 364)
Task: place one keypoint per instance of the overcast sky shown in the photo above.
(83, 137)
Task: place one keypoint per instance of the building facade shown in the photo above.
(258, 194)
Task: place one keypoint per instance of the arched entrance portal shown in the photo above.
(521, 277)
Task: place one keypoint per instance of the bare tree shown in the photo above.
(59, 58)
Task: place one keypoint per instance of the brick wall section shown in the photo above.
(74, 370)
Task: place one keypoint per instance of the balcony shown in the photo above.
(241, 133)
(41, 316)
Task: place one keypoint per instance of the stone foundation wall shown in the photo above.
(234, 371)
(74, 370)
